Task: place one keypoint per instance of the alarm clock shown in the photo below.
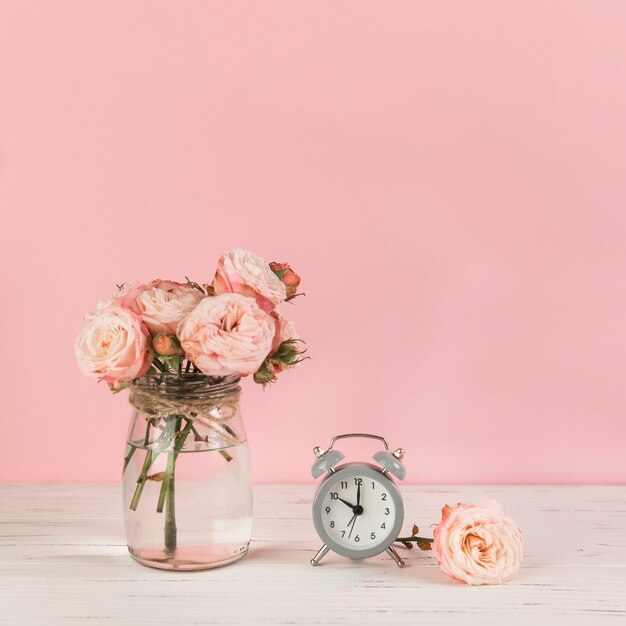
(357, 509)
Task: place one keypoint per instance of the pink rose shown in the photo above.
(478, 544)
(163, 304)
(287, 347)
(113, 345)
(227, 334)
(127, 295)
(287, 351)
(242, 271)
(285, 331)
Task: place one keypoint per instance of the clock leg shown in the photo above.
(395, 556)
(320, 555)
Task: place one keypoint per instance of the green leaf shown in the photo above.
(173, 362)
(121, 387)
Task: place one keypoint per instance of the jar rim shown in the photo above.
(191, 384)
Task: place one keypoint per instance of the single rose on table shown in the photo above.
(478, 544)
(474, 544)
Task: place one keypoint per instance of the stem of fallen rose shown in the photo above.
(414, 540)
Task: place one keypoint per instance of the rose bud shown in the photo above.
(265, 374)
(288, 277)
(165, 345)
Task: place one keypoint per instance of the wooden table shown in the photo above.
(63, 560)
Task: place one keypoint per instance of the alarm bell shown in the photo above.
(327, 459)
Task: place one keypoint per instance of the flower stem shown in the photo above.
(224, 453)
(179, 442)
(167, 495)
(128, 457)
(169, 530)
(414, 539)
(151, 456)
(141, 481)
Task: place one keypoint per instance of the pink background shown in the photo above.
(449, 178)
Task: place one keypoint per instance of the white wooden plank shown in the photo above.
(63, 560)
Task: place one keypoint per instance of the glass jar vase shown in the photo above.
(187, 483)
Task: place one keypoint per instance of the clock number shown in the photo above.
(386, 511)
(384, 496)
(343, 534)
(358, 481)
(373, 485)
(373, 536)
(344, 484)
(334, 495)
(332, 524)
(383, 525)
(327, 510)
(357, 539)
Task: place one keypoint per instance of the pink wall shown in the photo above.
(448, 178)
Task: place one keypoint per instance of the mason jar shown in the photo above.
(187, 483)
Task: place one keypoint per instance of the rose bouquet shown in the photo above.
(181, 348)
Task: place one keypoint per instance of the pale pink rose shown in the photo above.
(128, 294)
(242, 271)
(163, 304)
(285, 330)
(125, 296)
(113, 345)
(227, 334)
(287, 351)
(478, 544)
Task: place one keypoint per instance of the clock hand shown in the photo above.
(350, 522)
(351, 529)
(347, 503)
(358, 495)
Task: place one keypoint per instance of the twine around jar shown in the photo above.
(156, 406)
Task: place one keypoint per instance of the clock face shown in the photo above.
(358, 511)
